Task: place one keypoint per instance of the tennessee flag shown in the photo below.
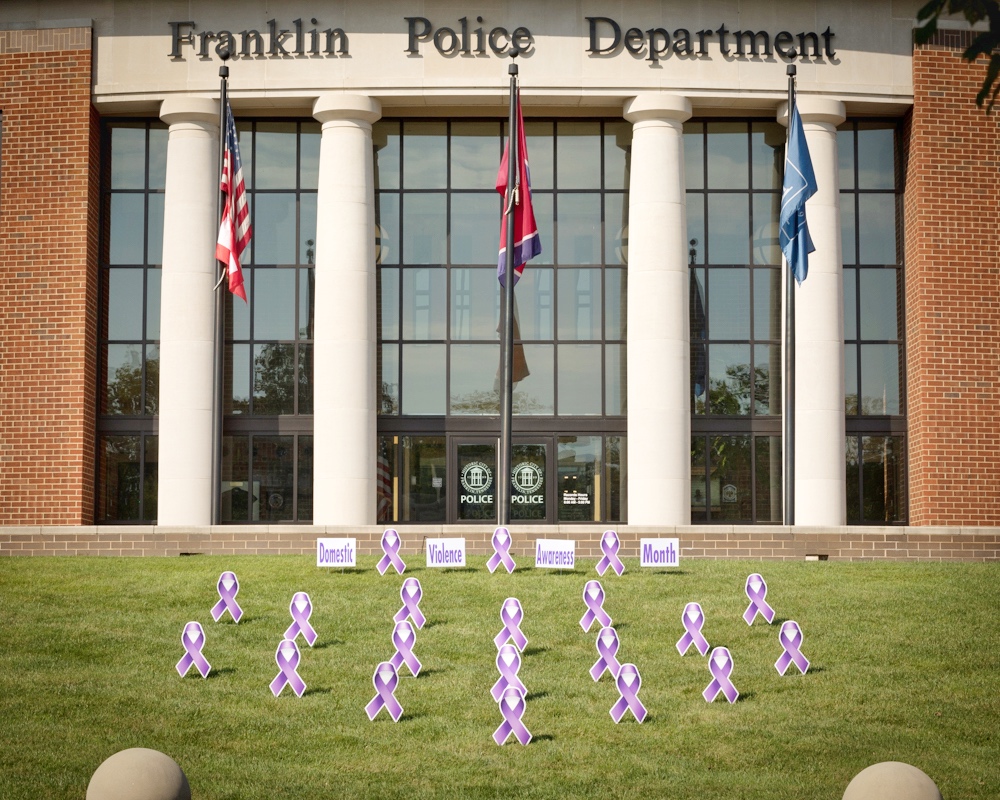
(234, 229)
(527, 245)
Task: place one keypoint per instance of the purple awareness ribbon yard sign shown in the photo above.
(511, 615)
(720, 664)
(193, 639)
(287, 658)
(756, 592)
(628, 682)
(512, 707)
(693, 619)
(384, 680)
(607, 649)
(390, 546)
(501, 551)
(229, 587)
(403, 639)
(609, 546)
(593, 597)
(790, 637)
(301, 609)
(508, 665)
(410, 593)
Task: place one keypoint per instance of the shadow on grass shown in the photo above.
(328, 643)
(812, 668)
(450, 570)
(215, 673)
(424, 672)
(629, 719)
(745, 697)
(318, 690)
(668, 572)
(244, 620)
(433, 623)
(347, 571)
(534, 696)
(542, 737)
(410, 716)
(534, 651)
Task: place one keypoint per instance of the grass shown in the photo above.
(905, 667)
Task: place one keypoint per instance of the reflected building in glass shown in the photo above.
(359, 383)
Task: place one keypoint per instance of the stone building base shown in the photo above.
(771, 543)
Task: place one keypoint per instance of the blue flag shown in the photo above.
(799, 186)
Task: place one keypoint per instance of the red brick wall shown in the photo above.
(48, 277)
(952, 291)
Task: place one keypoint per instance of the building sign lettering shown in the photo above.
(606, 38)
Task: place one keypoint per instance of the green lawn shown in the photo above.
(904, 659)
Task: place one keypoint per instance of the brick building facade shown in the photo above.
(952, 290)
(60, 103)
(48, 277)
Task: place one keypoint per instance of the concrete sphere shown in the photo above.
(139, 774)
(891, 780)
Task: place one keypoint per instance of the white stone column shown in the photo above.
(659, 401)
(344, 443)
(820, 475)
(187, 311)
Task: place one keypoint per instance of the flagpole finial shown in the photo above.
(512, 68)
(225, 55)
(790, 70)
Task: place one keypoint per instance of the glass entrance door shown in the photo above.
(529, 489)
(475, 480)
(475, 476)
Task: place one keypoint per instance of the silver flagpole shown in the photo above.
(220, 308)
(789, 410)
(507, 315)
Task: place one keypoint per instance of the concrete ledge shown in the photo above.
(761, 542)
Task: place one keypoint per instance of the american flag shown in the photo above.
(384, 489)
(234, 230)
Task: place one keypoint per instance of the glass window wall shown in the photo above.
(439, 298)
(133, 158)
(874, 345)
(268, 356)
(733, 174)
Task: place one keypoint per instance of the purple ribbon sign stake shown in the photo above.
(512, 707)
(287, 658)
(229, 587)
(301, 608)
(384, 680)
(501, 551)
(693, 619)
(410, 593)
(508, 664)
(720, 664)
(607, 649)
(756, 592)
(593, 597)
(511, 615)
(403, 639)
(390, 546)
(628, 682)
(193, 639)
(609, 546)
(790, 637)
